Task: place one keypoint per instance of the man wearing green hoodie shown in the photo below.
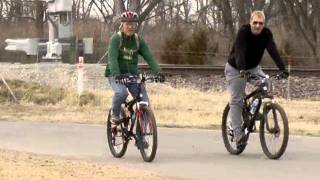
(123, 51)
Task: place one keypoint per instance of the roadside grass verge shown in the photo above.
(173, 107)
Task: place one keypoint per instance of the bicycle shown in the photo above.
(135, 113)
(273, 120)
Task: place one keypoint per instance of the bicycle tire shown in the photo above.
(263, 132)
(230, 146)
(118, 153)
(150, 128)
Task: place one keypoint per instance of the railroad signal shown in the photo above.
(59, 15)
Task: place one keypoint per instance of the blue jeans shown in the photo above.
(120, 94)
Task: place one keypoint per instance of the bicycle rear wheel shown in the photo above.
(147, 135)
(116, 139)
(274, 131)
(227, 133)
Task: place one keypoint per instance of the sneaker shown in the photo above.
(115, 119)
(145, 144)
(241, 140)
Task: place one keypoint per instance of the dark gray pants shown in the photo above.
(236, 88)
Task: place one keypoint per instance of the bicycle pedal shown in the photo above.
(118, 121)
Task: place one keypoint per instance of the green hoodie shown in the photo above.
(124, 59)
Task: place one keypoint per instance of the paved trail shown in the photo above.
(184, 153)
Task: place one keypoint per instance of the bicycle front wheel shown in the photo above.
(274, 131)
(116, 139)
(147, 135)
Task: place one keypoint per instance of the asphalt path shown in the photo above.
(182, 153)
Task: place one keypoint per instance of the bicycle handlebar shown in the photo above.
(128, 79)
(277, 76)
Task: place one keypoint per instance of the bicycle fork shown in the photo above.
(276, 128)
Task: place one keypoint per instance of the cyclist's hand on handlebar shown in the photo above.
(284, 74)
(160, 77)
(121, 79)
(244, 74)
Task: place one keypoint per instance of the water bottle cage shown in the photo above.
(254, 106)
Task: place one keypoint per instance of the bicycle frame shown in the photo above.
(137, 121)
(249, 119)
(262, 94)
(135, 113)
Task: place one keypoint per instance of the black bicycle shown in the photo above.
(137, 122)
(273, 130)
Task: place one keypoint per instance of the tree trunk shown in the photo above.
(148, 9)
(160, 15)
(40, 10)
(186, 8)
(242, 13)
(227, 17)
(311, 41)
(203, 12)
(1, 11)
(119, 7)
(259, 4)
(134, 5)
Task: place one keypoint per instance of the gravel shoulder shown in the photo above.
(23, 165)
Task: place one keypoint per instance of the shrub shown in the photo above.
(87, 98)
(31, 92)
(172, 47)
(197, 47)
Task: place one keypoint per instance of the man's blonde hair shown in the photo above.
(258, 13)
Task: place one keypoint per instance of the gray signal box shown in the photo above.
(59, 15)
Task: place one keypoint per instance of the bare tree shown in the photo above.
(203, 12)
(186, 10)
(160, 17)
(15, 10)
(119, 7)
(242, 13)
(305, 23)
(1, 10)
(148, 7)
(258, 5)
(228, 20)
(133, 5)
(40, 11)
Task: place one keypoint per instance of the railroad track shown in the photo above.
(219, 70)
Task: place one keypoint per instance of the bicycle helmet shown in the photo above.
(129, 16)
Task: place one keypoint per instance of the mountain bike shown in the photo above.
(259, 106)
(137, 122)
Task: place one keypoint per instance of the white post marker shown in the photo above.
(289, 70)
(80, 75)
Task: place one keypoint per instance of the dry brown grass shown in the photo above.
(303, 116)
(173, 107)
(187, 107)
